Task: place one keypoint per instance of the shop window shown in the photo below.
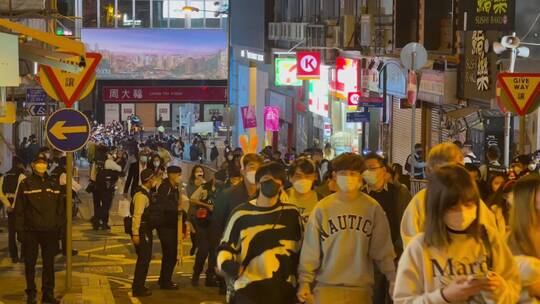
(142, 13)
(406, 22)
(89, 13)
(125, 14)
(197, 18)
(107, 13)
(173, 14)
(438, 30)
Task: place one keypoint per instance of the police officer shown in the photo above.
(167, 201)
(39, 217)
(8, 187)
(141, 233)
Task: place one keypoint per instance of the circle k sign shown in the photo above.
(354, 98)
(308, 65)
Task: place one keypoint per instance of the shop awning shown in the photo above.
(461, 113)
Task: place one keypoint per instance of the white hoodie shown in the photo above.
(423, 270)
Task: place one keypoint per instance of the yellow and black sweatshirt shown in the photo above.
(265, 242)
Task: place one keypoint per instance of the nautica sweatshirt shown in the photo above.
(341, 242)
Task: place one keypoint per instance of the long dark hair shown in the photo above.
(192, 176)
(449, 185)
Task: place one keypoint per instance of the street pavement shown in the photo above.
(103, 269)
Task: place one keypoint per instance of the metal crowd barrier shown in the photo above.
(417, 185)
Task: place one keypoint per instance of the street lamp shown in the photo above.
(225, 11)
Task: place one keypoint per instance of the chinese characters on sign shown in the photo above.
(489, 14)
(164, 94)
(479, 66)
(480, 47)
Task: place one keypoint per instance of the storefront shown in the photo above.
(177, 106)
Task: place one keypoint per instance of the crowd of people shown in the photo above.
(312, 227)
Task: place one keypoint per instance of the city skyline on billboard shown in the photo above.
(159, 53)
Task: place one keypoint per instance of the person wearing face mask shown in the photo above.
(414, 217)
(104, 173)
(141, 232)
(164, 217)
(393, 199)
(236, 195)
(419, 164)
(524, 239)
(260, 246)
(303, 173)
(39, 217)
(457, 259)
(346, 233)
(242, 193)
(133, 180)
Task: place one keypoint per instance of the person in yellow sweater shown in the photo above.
(457, 259)
(524, 239)
(414, 216)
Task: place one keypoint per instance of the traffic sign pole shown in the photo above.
(69, 218)
(413, 123)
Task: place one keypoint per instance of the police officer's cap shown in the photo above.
(146, 175)
(174, 169)
(40, 158)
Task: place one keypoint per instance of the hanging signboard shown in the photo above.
(495, 15)
(249, 117)
(286, 70)
(358, 117)
(9, 60)
(345, 78)
(271, 119)
(319, 92)
(479, 66)
(309, 65)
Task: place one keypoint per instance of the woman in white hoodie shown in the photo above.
(456, 259)
(524, 237)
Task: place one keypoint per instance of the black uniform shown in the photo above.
(144, 249)
(39, 217)
(9, 187)
(167, 229)
(103, 194)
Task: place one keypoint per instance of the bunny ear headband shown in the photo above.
(249, 145)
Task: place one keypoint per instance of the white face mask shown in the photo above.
(303, 186)
(250, 177)
(460, 220)
(370, 177)
(348, 183)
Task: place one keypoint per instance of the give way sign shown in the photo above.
(308, 65)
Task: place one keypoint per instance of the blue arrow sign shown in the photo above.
(68, 130)
(39, 110)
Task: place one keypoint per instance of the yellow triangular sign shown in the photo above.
(522, 88)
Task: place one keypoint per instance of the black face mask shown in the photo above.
(270, 188)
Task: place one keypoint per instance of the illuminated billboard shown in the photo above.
(319, 93)
(286, 73)
(345, 79)
(159, 53)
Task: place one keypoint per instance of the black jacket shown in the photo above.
(166, 201)
(226, 202)
(132, 180)
(39, 205)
